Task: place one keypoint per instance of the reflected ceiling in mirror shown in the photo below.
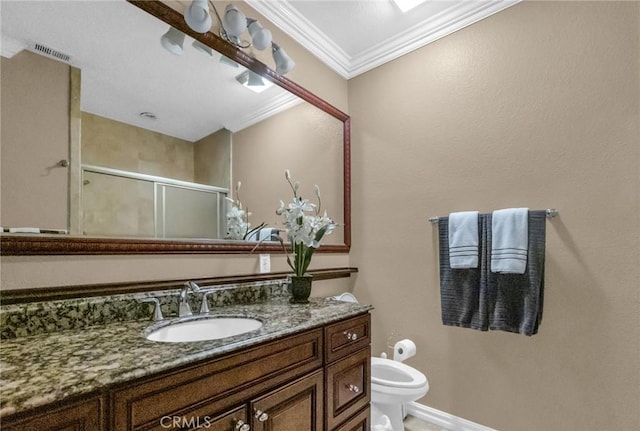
(126, 71)
(180, 92)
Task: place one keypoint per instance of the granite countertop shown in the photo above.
(43, 368)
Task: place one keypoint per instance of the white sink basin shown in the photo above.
(201, 329)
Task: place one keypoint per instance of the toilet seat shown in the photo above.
(394, 374)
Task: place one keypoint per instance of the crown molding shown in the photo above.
(275, 105)
(289, 20)
(454, 18)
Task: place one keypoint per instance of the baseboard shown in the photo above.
(443, 419)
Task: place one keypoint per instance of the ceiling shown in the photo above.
(125, 70)
(354, 36)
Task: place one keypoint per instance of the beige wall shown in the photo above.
(113, 144)
(212, 155)
(313, 152)
(536, 106)
(35, 137)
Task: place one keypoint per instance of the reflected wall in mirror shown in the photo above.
(136, 176)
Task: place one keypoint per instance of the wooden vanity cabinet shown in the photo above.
(288, 384)
(198, 392)
(85, 415)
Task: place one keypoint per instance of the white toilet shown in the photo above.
(392, 383)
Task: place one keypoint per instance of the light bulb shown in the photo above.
(234, 21)
(172, 41)
(260, 36)
(284, 63)
(197, 16)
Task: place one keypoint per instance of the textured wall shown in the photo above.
(311, 149)
(113, 144)
(211, 159)
(35, 136)
(536, 106)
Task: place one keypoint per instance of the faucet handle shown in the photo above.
(157, 311)
(184, 309)
(204, 308)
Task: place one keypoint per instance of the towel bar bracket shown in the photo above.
(551, 213)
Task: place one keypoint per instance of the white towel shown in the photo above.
(24, 230)
(509, 240)
(463, 239)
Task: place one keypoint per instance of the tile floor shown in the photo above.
(413, 424)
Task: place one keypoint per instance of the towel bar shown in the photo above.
(551, 213)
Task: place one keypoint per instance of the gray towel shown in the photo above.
(516, 299)
(479, 299)
(463, 292)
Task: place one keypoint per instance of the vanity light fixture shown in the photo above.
(232, 25)
(199, 46)
(253, 81)
(197, 16)
(173, 40)
(284, 63)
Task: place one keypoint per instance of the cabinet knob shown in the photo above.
(241, 426)
(261, 416)
(353, 388)
(351, 335)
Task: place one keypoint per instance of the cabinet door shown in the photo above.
(359, 422)
(235, 420)
(82, 416)
(297, 406)
(348, 387)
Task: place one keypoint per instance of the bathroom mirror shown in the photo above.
(259, 166)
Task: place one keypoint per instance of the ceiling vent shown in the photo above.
(50, 52)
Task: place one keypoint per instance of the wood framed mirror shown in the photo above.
(43, 244)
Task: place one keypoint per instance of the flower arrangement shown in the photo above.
(305, 227)
(238, 226)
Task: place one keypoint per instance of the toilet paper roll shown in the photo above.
(404, 349)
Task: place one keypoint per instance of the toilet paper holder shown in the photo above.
(403, 350)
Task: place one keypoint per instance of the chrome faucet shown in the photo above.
(204, 307)
(185, 309)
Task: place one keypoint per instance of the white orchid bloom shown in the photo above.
(304, 227)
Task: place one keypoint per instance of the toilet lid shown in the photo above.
(395, 374)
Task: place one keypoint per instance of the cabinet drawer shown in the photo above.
(217, 385)
(360, 422)
(347, 337)
(348, 387)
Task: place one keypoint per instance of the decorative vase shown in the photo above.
(300, 289)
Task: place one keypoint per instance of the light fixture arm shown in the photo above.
(223, 33)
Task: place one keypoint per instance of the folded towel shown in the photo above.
(509, 231)
(463, 239)
(264, 234)
(24, 230)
